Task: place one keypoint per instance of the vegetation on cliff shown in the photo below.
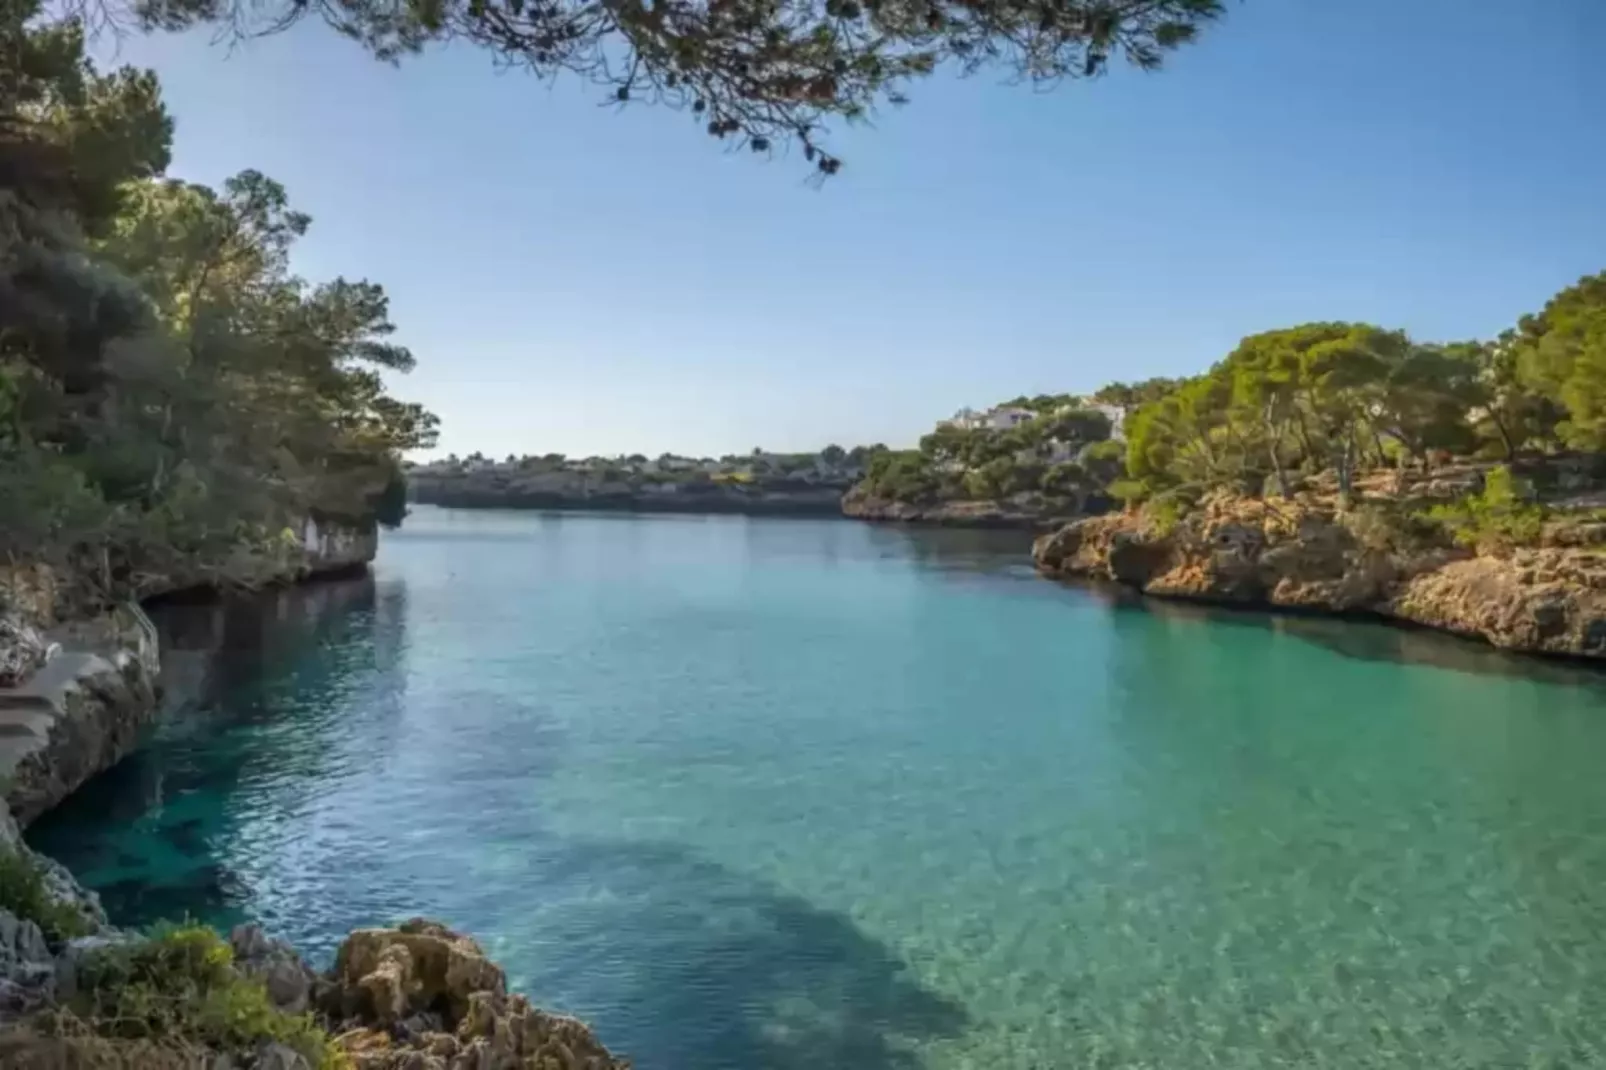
(1345, 467)
(1348, 397)
(173, 399)
(25, 893)
(1057, 460)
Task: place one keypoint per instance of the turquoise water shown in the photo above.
(776, 794)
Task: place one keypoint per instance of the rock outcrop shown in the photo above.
(77, 713)
(422, 997)
(1304, 553)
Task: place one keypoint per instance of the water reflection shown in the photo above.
(1360, 637)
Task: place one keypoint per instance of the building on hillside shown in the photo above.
(1116, 414)
(998, 418)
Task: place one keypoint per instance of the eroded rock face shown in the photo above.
(1303, 553)
(422, 997)
(289, 981)
(72, 718)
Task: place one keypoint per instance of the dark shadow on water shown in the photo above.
(684, 964)
(1364, 638)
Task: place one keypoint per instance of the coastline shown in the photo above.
(1020, 516)
(698, 505)
(1303, 556)
(418, 996)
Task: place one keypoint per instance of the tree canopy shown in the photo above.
(760, 73)
(1340, 396)
(173, 399)
(1286, 404)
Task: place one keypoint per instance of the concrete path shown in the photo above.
(29, 712)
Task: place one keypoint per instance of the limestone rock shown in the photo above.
(421, 965)
(1304, 553)
(422, 997)
(72, 957)
(289, 981)
(27, 972)
(79, 714)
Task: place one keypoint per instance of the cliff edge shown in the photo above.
(1546, 595)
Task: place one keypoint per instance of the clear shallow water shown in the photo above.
(772, 794)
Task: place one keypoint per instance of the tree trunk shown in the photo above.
(1346, 470)
(1273, 439)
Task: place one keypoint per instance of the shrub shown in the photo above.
(1129, 490)
(1382, 528)
(25, 893)
(1162, 513)
(1502, 515)
(179, 987)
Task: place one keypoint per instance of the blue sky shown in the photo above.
(580, 279)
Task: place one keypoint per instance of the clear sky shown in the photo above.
(580, 279)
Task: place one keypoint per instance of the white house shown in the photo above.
(1001, 418)
(1116, 414)
(1005, 417)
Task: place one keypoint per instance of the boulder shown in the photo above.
(384, 975)
(422, 997)
(288, 980)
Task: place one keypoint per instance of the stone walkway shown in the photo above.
(30, 711)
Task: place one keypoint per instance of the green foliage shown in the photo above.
(179, 984)
(1387, 527)
(1133, 395)
(390, 505)
(1561, 355)
(172, 398)
(1501, 515)
(900, 475)
(1341, 397)
(755, 72)
(25, 893)
(1103, 462)
(1162, 513)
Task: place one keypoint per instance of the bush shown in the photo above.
(1163, 513)
(25, 893)
(1384, 528)
(178, 987)
(1104, 461)
(1501, 516)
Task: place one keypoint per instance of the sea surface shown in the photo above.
(773, 795)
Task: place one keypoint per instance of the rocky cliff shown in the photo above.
(1306, 553)
(83, 694)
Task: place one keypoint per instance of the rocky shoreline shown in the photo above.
(76, 991)
(1304, 553)
(1017, 516)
